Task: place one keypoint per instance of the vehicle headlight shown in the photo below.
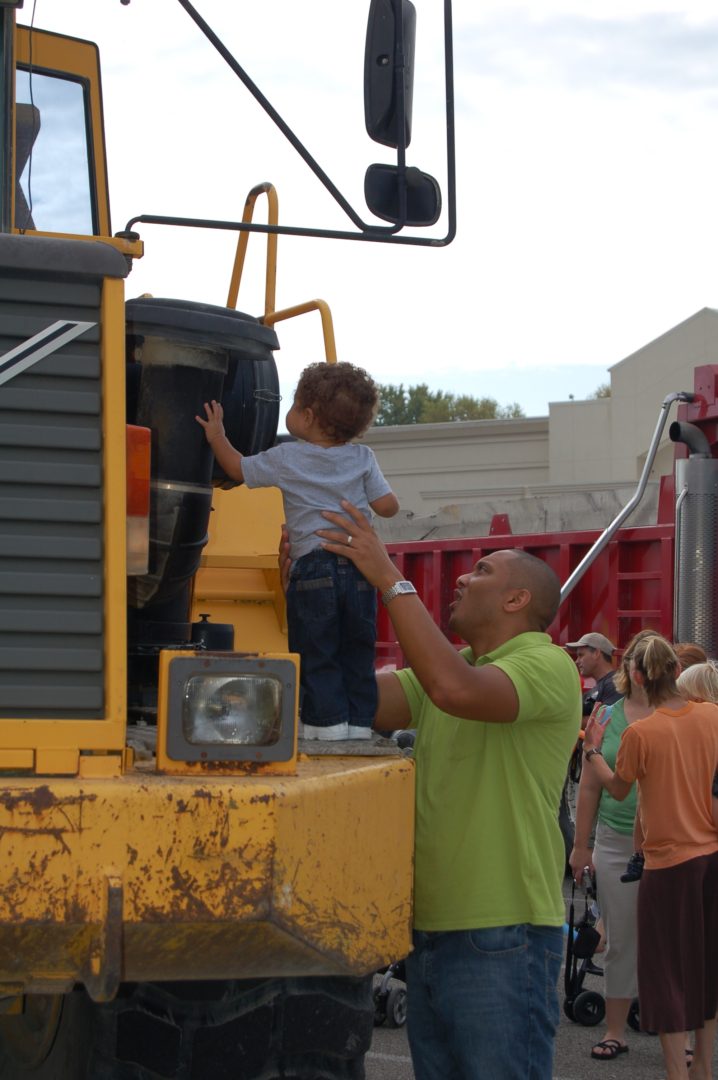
(219, 708)
(238, 710)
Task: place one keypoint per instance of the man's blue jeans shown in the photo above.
(483, 1004)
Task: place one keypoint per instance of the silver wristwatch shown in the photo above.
(397, 589)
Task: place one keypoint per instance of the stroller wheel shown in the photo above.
(396, 1007)
(568, 1009)
(589, 1008)
(633, 1016)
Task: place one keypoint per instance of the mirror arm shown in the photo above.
(374, 233)
(272, 113)
(450, 121)
(400, 88)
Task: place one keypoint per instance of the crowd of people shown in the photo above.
(662, 938)
(496, 724)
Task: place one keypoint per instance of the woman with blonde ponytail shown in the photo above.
(673, 754)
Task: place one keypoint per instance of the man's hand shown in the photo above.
(354, 538)
(285, 560)
(213, 425)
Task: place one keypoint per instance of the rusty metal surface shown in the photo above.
(235, 877)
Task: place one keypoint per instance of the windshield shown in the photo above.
(52, 190)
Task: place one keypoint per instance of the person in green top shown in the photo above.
(496, 725)
(614, 822)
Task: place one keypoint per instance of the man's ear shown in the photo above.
(517, 599)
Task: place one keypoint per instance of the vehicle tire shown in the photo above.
(49, 1040)
(589, 1008)
(396, 1007)
(299, 1029)
(568, 1009)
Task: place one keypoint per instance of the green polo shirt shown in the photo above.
(489, 850)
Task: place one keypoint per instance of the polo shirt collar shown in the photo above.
(530, 637)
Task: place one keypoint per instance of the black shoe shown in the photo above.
(634, 868)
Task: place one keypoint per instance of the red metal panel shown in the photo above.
(628, 588)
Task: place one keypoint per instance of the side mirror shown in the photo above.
(383, 192)
(383, 64)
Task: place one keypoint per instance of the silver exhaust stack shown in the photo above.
(695, 612)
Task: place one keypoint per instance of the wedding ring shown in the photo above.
(349, 540)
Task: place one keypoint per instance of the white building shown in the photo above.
(574, 469)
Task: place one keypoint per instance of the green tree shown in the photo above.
(420, 405)
(604, 390)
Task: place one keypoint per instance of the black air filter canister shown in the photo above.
(184, 352)
(696, 584)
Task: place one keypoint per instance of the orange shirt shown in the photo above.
(673, 754)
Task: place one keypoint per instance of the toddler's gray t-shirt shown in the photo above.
(315, 478)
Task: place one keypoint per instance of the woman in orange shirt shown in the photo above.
(673, 754)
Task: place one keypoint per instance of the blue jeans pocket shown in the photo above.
(316, 597)
(499, 940)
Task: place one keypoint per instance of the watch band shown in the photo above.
(592, 752)
(399, 588)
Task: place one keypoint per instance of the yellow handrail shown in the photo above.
(270, 288)
(330, 348)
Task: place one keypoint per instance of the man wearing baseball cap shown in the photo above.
(594, 660)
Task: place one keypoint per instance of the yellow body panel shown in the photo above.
(245, 523)
(171, 877)
(238, 581)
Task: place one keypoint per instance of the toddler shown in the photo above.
(331, 608)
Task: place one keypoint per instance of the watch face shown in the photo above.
(397, 589)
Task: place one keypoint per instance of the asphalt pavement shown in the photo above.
(389, 1057)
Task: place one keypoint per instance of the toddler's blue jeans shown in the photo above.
(331, 616)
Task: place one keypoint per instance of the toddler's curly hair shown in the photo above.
(344, 398)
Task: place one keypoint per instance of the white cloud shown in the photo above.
(586, 175)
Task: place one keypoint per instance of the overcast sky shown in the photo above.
(586, 153)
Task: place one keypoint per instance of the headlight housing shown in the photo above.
(226, 707)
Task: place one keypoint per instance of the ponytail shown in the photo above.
(658, 664)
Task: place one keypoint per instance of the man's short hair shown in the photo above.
(540, 580)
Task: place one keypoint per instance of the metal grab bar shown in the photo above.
(330, 348)
(270, 288)
(608, 533)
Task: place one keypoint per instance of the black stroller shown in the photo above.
(586, 1007)
(390, 996)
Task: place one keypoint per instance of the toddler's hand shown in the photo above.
(213, 426)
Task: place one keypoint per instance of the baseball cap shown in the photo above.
(593, 641)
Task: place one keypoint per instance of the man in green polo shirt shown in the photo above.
(496, 724)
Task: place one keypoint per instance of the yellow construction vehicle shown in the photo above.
(183, 893)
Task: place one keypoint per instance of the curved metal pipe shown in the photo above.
(607, 534)
(692, 436)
